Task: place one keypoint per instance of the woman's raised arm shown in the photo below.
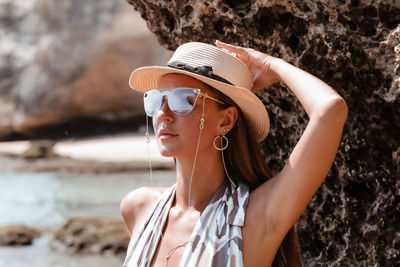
(285, 196)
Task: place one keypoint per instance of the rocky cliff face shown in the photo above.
(61, 60)
(355, 47)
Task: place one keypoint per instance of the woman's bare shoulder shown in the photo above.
(142, 196)
(136, 205)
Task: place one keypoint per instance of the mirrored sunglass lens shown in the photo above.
(182, 101)
(152, 102)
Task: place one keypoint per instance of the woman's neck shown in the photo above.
(208, 174)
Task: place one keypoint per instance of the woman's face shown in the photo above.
(177, 135)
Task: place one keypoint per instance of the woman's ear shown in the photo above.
(228, 119)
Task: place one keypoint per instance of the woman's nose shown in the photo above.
(164, 113)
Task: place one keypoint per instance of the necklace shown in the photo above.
(172, 251)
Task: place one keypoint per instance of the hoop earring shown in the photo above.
(222, 148)
(222, 138)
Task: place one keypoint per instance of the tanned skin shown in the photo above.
(274, 206)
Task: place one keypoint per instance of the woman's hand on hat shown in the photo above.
(260, 65)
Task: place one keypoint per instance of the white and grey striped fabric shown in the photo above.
(217, 236)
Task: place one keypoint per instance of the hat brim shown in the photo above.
(147, 78)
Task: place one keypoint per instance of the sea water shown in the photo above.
(47, 200)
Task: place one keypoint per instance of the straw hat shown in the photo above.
(217, 68)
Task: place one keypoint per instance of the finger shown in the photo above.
(229, 47)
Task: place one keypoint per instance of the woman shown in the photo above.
(225, 209)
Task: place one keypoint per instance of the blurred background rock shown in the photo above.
(70, 59)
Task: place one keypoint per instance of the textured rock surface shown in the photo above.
(355, 47)
(91, 235)
(17, 235)
(65, 59)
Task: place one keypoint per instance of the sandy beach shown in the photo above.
(105, 154)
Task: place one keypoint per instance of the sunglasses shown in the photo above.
(181, 101)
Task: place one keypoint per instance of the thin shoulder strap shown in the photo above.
(142, 247)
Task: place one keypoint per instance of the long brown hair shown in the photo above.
(245, 163)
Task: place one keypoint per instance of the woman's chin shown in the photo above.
(166, 152)
(168, 149)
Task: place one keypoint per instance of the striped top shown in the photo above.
(216, 239)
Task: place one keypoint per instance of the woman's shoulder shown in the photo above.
(136, 205)
(144, 194)
(140, 198)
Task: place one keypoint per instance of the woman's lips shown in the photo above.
(164, 135)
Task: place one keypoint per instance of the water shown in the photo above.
(47, 200)
(39, 255)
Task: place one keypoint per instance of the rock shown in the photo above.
(91, 235)
(17, 235)
(65, 60)
(6, 113)
(40, 149)
(354, 219)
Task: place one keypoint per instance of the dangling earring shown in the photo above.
(222, 148)
(222, 139)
